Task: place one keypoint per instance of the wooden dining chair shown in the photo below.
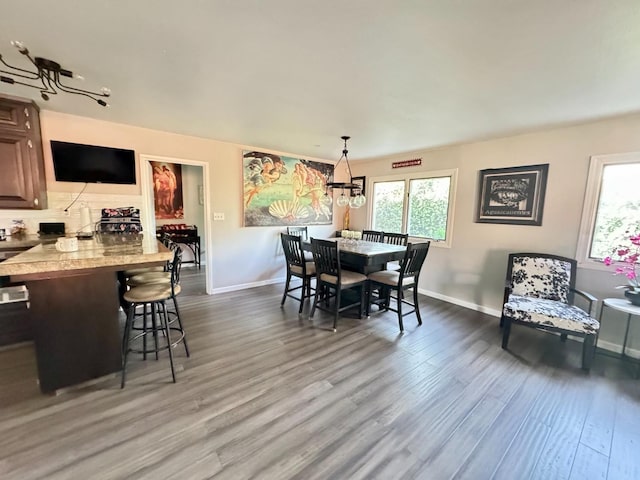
(299, 231)
(388, 281)
(396, 238)
(297, 266)
(372, 235)
(332, 280)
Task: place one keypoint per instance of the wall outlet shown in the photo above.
(218, 216)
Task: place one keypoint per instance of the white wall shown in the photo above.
(472, 271)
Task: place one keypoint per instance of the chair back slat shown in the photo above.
(414, 257)
(540, 275)
(174, 266)
(372, 235)
(326, 256)
(293, 253)
(396, 238)
(298, 231)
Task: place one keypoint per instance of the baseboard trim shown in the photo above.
(456, 301)
(244, 286)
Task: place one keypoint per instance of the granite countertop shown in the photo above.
(105, 250)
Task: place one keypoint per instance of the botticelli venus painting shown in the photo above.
(281, 191)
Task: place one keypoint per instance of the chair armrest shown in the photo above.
(590, 298)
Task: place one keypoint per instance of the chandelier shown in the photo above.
(353, 201)
(48, 77)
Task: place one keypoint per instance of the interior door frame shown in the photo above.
(148, 211)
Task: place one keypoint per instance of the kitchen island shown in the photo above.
(74, 303)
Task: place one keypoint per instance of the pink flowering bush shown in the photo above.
(625, 259)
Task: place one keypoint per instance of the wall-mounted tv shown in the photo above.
(73, 162)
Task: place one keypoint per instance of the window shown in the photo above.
(420, 204)
(611, 207)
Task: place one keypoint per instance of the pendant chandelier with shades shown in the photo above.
(353, 201)
(47, 78)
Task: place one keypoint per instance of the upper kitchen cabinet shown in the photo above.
(22, 181)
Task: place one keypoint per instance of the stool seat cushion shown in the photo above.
(348, 278)
(138, 271)
(311, 268)
(149, 277)
(390, 277)
(150, 293)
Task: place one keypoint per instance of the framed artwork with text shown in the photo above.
(513, 195)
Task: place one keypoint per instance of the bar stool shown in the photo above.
(154, 297)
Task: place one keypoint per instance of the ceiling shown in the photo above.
(295, 75)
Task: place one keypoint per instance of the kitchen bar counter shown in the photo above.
(113, 251)
(74, 303)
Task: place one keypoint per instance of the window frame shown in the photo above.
(452, 173)
(590, 205)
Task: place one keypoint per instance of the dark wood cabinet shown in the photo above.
(22, 180)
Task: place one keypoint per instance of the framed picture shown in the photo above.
(283, 191)
(512, 195)
(167, 190)
(358, 181)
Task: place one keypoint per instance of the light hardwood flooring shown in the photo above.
(267, 394)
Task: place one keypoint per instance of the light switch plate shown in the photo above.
(218, 216)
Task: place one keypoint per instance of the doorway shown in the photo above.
(196, 194)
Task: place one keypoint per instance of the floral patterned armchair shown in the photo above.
(539, 293)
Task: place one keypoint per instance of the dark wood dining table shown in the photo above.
(364, 256)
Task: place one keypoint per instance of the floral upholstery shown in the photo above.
(549, 313)
(545, 278)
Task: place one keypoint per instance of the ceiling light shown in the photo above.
(343, 200)
(48, 77)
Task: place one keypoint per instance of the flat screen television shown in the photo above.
(74, 162)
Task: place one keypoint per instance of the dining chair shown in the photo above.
(153, 296)
(299, 231)
(372, 235)
(539, 293)
(297, 266)
(332, 280)
(388, 281)
(396, 238)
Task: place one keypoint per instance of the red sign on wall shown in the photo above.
(407, 163)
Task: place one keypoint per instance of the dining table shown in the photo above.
(364, 256)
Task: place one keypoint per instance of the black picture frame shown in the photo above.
(513, 195)
(361, 181)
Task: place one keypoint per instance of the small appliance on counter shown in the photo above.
(51, 228)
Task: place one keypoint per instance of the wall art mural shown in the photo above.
(280, 191)
(512, 195)
(167, 190)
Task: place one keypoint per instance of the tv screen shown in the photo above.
(73, 162)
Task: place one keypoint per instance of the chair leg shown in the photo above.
(286, 289)
(303, 291)
(501, 320)
(362, 299)
(126, 339)
(336, 312)
(154, 323)
(316, 299)
(184, 335)
(399, 302)
(165, 327)
(505, 332)
(588, 351)
(415, 304)
(144, 331)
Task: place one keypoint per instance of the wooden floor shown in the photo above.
(268, 395)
